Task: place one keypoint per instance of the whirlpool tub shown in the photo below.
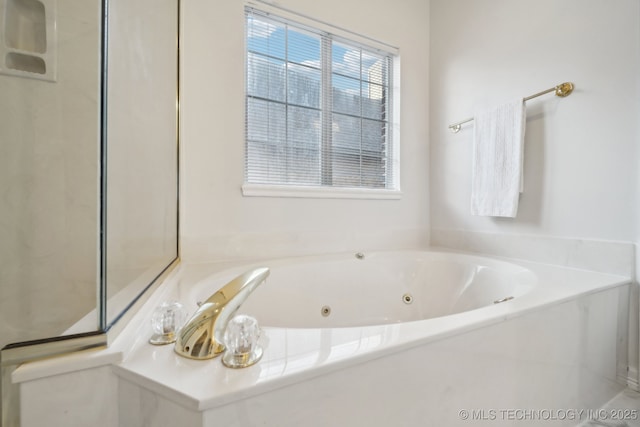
(402, 338)
(375, 288)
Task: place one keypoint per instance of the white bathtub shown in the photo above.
(559, 344)
(374, 288)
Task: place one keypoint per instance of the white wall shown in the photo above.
(217, 222)
(580, 155)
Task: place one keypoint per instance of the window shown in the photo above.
(318, 108)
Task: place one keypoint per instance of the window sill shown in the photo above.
(265, 190)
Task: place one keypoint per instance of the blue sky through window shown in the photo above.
(277, 40)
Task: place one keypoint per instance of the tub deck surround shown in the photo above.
(561, 343)
(295, 354)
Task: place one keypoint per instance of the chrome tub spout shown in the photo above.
(202, 336)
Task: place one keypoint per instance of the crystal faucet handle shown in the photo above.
(166, 321)
(241, 339)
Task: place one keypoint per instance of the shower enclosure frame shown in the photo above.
(14, 354)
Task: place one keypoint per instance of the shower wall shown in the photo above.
(49, 155)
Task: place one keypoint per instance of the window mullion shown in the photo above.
(326, 167)
(361, 115)
(287, 149)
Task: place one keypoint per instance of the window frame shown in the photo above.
(338, 35)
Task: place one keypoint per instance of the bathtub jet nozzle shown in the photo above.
(202, 337)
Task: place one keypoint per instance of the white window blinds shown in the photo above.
(318, 108)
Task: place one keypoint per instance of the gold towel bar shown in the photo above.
(562, 90)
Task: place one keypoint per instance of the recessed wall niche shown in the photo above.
(25, 26)
(28, 38)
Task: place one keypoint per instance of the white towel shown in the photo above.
(498, 147)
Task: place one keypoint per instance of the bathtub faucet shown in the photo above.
(202, 336)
